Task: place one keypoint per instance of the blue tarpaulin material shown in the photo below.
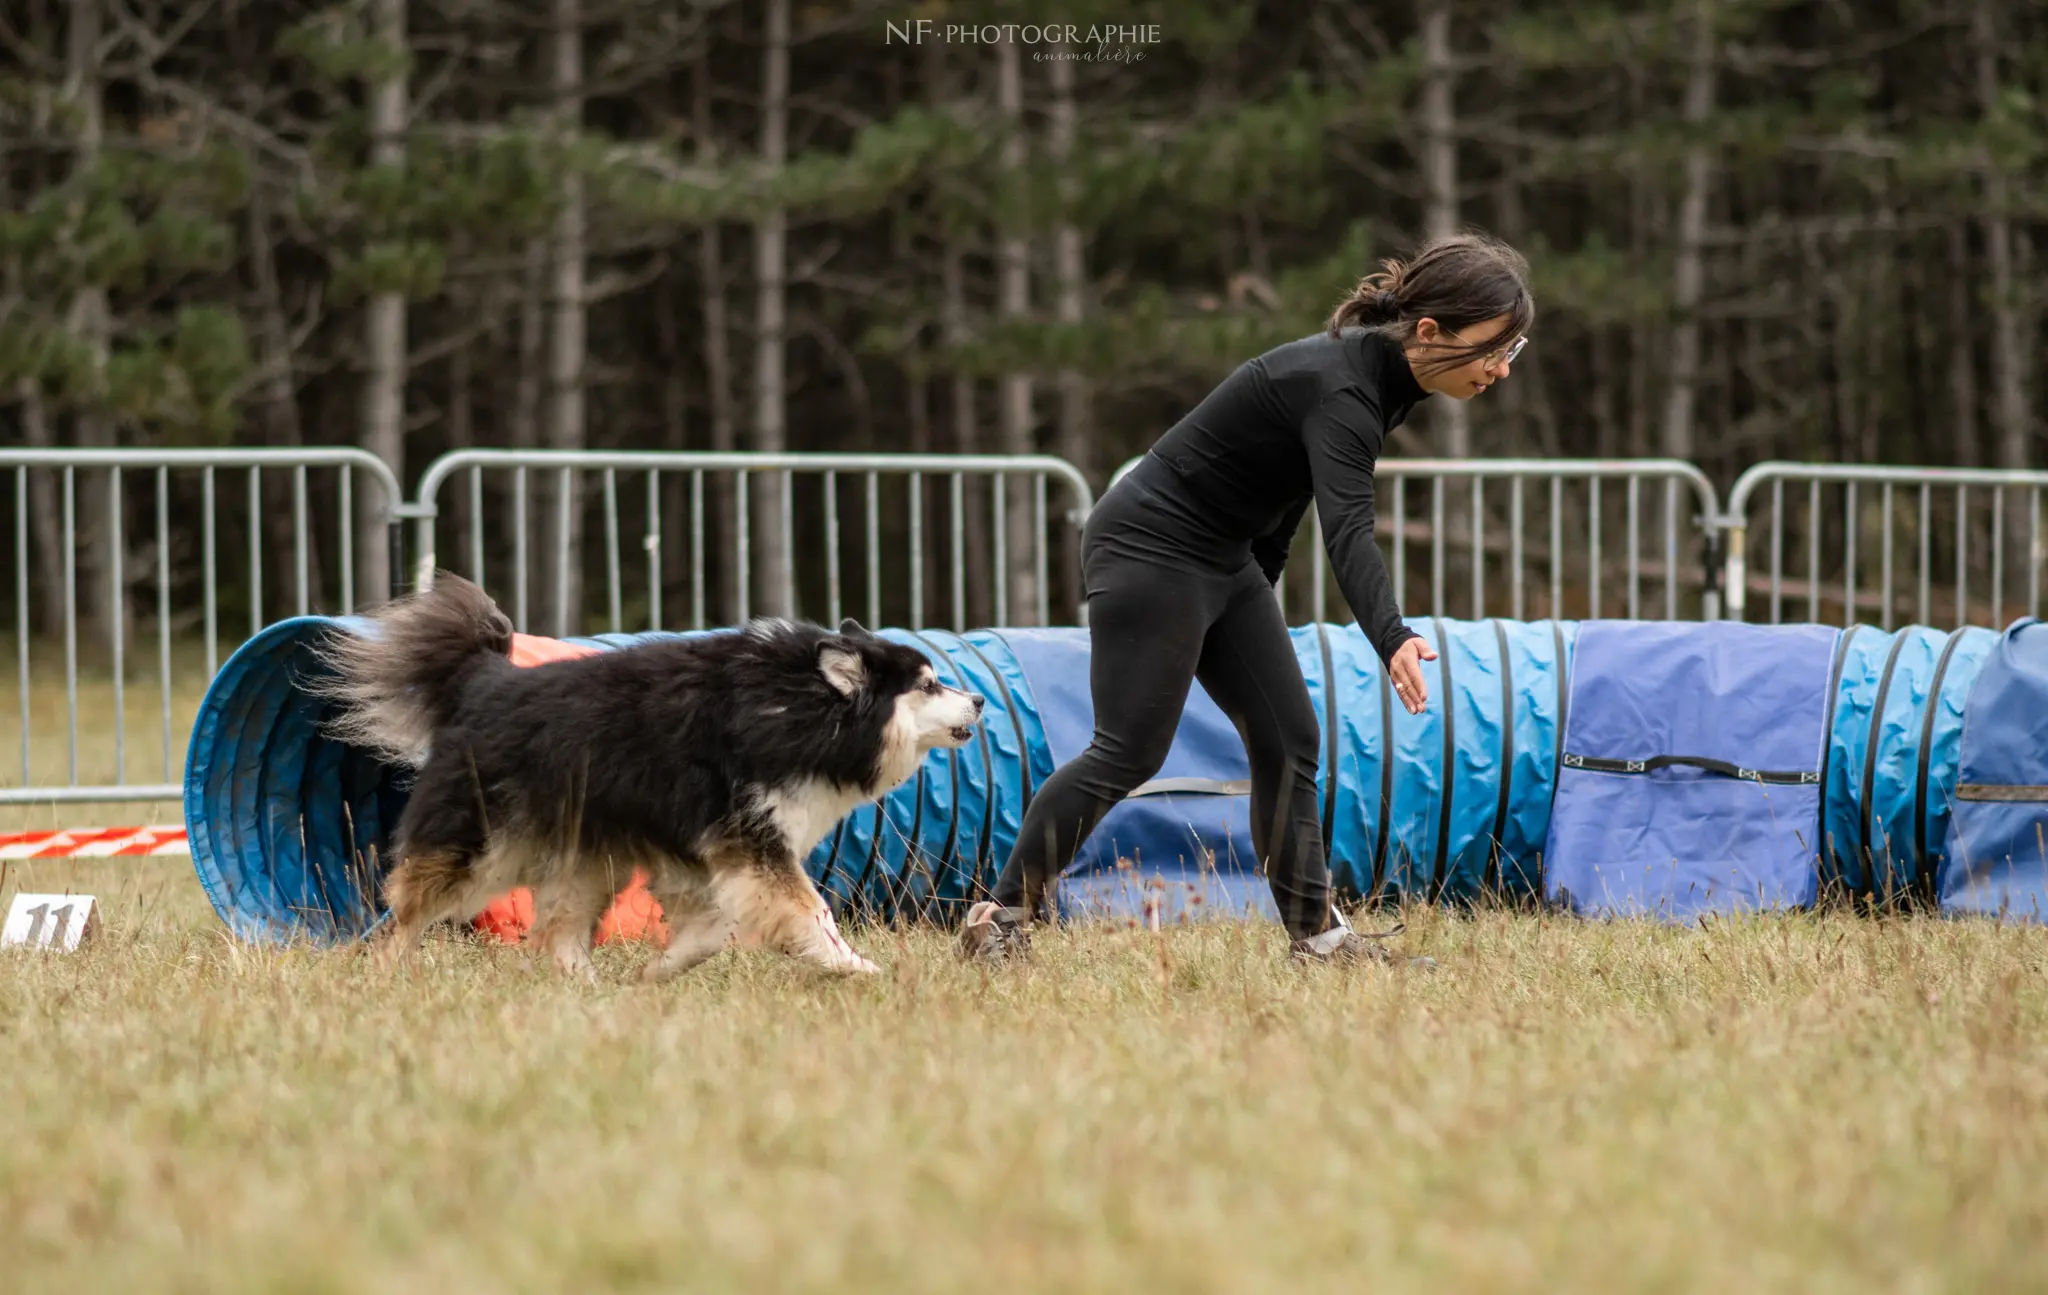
(1732, 821)
(1891, 761)
(1451, 804)
(1454, 805)
(1997, 857)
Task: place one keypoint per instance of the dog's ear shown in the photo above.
(851, 626)
(842, 667)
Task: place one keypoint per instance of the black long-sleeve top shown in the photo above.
(1304, 422)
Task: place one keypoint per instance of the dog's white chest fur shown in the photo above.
(804, 811)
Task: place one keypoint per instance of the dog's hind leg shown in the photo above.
(427, 884)
(773, 898)
(698, 924)
(566, 914)
(445, 865)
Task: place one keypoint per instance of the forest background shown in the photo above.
(1798, 229)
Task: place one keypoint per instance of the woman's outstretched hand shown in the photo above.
(1406, 669)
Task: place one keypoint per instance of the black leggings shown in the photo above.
(1153, 627)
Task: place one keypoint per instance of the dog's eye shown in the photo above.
(931, 685)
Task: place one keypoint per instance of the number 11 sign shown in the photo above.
(59, 922)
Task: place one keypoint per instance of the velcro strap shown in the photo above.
(1194, 787)
(2008, 793)
(1775, 777)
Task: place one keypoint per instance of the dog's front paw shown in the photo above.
(829, 949)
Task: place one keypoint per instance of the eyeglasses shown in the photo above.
(1505, 355)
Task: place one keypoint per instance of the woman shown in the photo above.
(1180, 559)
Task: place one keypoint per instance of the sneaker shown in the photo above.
(993, 933)
(1346, 947)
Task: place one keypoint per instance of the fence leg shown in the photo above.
(1733, 572)
(399, 578)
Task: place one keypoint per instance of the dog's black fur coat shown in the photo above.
(679, 755)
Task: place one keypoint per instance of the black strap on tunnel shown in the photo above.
(1884, 687)
(1923, 852)
(2002, 793)
(1564, 707)
(1450, 763)
(1507, 761)
(905, 886)
(1727, 769)
(832, 860)
(1379, 845)
(949, 856)
(867, 869)
(988, 817)
(1329, 749)
(895, 890)
(1827, 747)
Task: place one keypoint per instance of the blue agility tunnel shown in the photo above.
(288, 828)
(1996, 861)
(1891, 759)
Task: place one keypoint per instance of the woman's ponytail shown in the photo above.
(1376, 301)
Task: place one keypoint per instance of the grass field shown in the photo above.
(1801, 1103)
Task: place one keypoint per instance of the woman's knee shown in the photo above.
(1118, 762)
(1293, 742)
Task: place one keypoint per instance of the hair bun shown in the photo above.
(1385, 306)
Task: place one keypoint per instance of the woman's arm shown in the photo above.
(1344, 437)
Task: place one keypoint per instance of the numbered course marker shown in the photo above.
(60, 922)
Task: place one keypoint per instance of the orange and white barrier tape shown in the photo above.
(94, 843)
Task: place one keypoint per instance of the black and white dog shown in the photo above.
(715, 763)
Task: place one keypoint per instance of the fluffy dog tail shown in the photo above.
(401, 682)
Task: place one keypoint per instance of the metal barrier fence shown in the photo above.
(1950, 525)
(785, 517)
(1647, 526)
(126, 555)
(233, 518)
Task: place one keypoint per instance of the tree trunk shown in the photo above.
(932, 575)
(280, 384)
(44, 511)
(533, 335)
(1689, 277)
(974, 607)
(99, 617)
(2009, 362)
(1450, 418)
(1962, 356)
(1014, 302)
(2012, 415)
(461, 435)
(1440, 180)
(967, 440)
(721, 565)
(668, 509)
(771, 246)
(1077, 421)
(1642, 238)
(561, 514)
(1607, 423)
(384, 334)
